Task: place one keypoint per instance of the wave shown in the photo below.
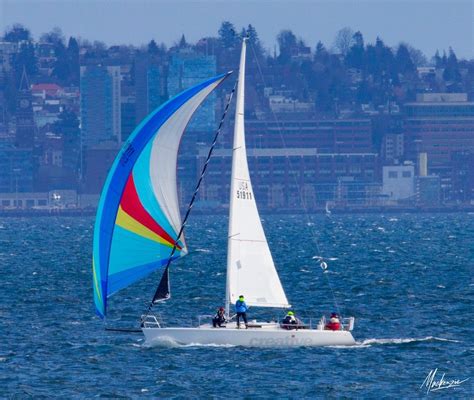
(397, 341)
(202, 251)
(170, 343)
(408, 340)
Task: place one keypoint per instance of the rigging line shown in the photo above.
(196, 190)
(336, 305)
(303, 198)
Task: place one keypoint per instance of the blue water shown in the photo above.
(408, 280)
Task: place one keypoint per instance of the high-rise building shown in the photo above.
(149, 86)
(186, 69)
(100, 104)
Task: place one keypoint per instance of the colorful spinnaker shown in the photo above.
(138, 218)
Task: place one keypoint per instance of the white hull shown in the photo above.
(253, 337)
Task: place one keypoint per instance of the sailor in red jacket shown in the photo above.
(334, 324)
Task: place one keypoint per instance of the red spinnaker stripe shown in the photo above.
(132, 205)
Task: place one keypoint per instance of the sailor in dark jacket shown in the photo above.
(219, 319)
(290, 321)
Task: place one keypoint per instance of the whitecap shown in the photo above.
(406, 340)
(203, 250)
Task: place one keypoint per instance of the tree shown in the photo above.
(254, 40)
(417, 56)
(344, 40)
(287, 43)
(356, 57)
(73, 61)
(55, 37)
(182, 42)
(153, 48)
(17, 33)
(437, 60)
(61, 65)
(403, 58)
(228, 35)
(26, 58)
(451, 71)
(320, 50)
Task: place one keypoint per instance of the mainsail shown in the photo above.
(138, 216)
(250, 268)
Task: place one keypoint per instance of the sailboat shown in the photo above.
(139, 230)
(327, 210)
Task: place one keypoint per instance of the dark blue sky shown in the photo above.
(427, 25)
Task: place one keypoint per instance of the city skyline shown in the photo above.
(449, 25)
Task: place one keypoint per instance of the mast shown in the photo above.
(239, 141)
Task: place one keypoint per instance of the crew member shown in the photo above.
(334, 324)
(219, 319)
(290, 321)
(241, 310)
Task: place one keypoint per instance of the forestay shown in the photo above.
(138, 217)
(250, 268)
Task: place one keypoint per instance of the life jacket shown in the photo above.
(240, 306)
(220, 317)
(334, 324)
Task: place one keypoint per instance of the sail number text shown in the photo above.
(243, 191)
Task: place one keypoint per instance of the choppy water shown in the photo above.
(408, 279)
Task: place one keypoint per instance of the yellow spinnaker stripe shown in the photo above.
(127, 222)
(95, 281)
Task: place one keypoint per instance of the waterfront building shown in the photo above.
(98, 160)
(463, 176)
(296, 177)
(100, 104)
(398, 182)
(16, 165)
(428, 190)
(52, 199)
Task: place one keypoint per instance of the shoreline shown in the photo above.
(77, 212)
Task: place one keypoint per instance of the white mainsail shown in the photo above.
(250, 268)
